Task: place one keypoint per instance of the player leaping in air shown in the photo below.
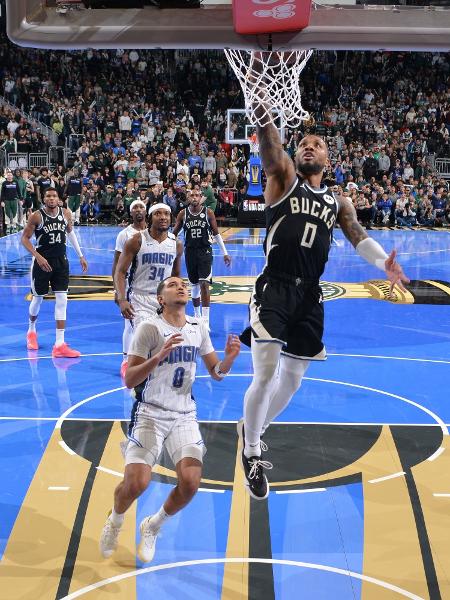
(286, 310)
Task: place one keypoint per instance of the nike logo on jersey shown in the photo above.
(167, 334)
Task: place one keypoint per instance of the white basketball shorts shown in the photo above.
(154, 429)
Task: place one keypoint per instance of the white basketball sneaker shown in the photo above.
(146, 548)
(108, 539)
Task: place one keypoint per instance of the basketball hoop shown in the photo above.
(253, 143)
(271, 81)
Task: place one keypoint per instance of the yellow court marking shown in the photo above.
(391, 547)
(235, 575)
(431, 477)
(441, 286)
(90, 566)
(36, 551)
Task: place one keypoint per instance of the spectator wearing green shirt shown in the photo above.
(210, 201)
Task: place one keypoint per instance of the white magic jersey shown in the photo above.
(152, 264)
(123, 237)
(169, 386)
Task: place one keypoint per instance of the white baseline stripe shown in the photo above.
(406, 358)
(211, 490)
(110, 471)
(438, 452)
(66, 448)
(386, 477)
(308, 491)
(58, 488)
(216, 561)
(433, 415)
(75, 406)
(441, 495)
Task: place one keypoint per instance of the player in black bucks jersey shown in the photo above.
(51, 225)
(197, 221)
(286, 311)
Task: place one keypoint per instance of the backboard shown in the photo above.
(240, 129)
(347, 25)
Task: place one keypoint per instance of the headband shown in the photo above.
(136, 203)
(159, 206)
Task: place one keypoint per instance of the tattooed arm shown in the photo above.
(348, 221)
(367, 247)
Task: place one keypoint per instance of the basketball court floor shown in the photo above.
(360, 492)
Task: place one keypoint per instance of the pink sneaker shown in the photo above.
(32, 343)
(123, 368)
(64, 351)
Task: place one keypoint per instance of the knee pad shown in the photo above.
(60, 306)
(195, 291)
(35, 305)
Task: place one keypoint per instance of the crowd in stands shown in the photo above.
(151, 124)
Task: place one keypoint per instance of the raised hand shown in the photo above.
(233, 346)
(169, 345)
(395, 273)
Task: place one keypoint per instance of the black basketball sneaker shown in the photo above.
(257, 484)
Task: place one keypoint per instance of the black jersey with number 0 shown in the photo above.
(196, 229)
(51, 234)
(299, 231)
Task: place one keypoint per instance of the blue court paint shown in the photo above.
(197, 532)
(22, 444)
(304, 526)
(323, 528)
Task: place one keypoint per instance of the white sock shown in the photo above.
(31, 326)
(117, 518)
(197, 311)
(159, 518)
(205, 312)
(59, 337)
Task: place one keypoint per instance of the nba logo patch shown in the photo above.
(60, 217)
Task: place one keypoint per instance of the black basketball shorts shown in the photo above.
(199, 264)
(289, 313)
(58, 278)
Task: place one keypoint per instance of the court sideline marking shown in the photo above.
(406, 358)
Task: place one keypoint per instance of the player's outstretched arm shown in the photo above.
(176, 268)
(277, 164)
(217, 236)
(71, 236)
(368, 248)
(217, 368)
(27, 234)
(179, 222)
(130, 250)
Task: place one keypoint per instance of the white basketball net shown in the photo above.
(270, 81)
